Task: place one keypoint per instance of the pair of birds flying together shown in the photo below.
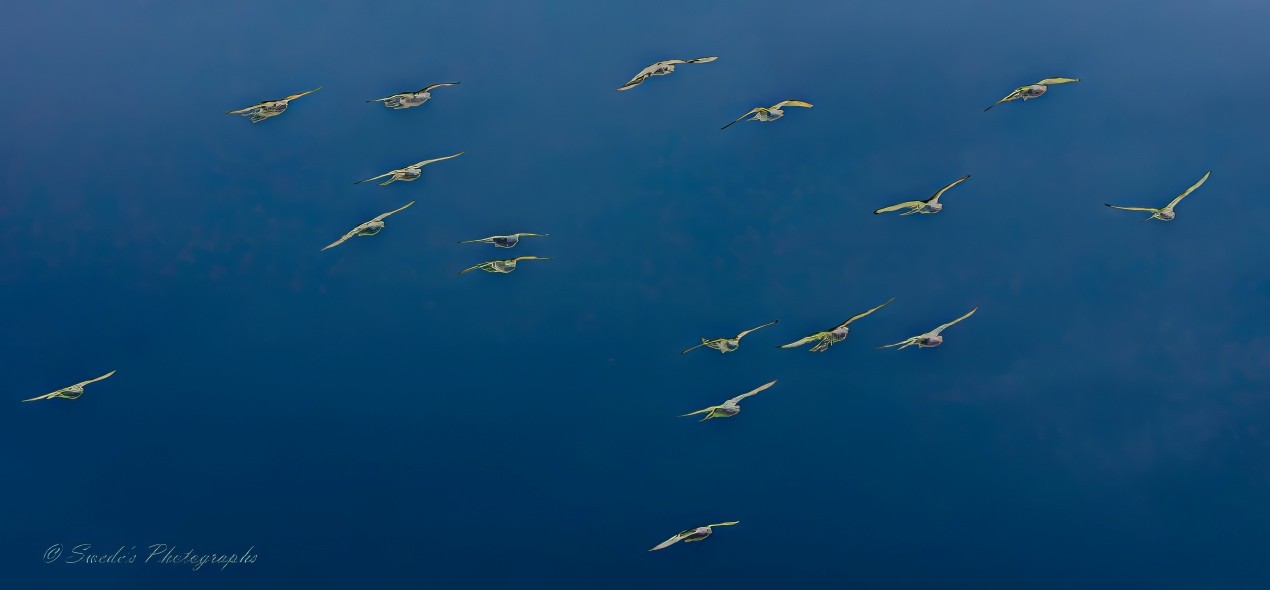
(272, 108)
(663, 68)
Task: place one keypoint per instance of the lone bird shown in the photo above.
(930, 339)
(726, 345)
(409, 173)
(72, 392)
(500, 266)
(405, 100)
(663, 68)
(1031, 90)
(270, 108)
(771, 113)
(830, 337)
(1166, 213)
(728, 408)
(928, 207)
(368, 228)
(503, 241)
(692, 535)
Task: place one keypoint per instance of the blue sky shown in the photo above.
(363, 416)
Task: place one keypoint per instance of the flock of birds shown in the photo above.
(823, 340)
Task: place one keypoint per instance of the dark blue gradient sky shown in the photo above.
(366, 419)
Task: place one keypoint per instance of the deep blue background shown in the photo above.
(366, 419)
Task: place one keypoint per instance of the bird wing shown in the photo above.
(1011, 96)
(472, 268)
(426, 162)
(523, 234)
(519, 258)
(381, 217)
(905, 342)
(375, 178)
(730, 523)
(936, 331)
(669, 542)
(804, 340)
(742, 334)
(1050, 81)
(751, 392)
(1178, 198)
(345, 238)
(387, 97)
(244, 110)
(704, 342)
(429, 88)
(940, 192)
(860, 315)
(95, 380)
(700, 60)
(639, 78)
(295, 96)
(482, 240)
(1132, 208)
(752, 111)
(709, 409)
(791, 103)
(898, 206)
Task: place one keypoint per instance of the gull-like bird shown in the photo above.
(269, 108)
(930, 339)
(726, 345)
(405, 100)
(692, 535)
(771, 113)
(1031, 90)
(1165, 213)
(501, 266)
(72, 392)
(369, 228)
(927, 207)
(503, 241)
(728, 408)
(409, 173)
(662, 68)
(834, 336)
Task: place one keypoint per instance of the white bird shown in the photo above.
(1166, 213)
(1031, 90)
(405, 100)
(726, 345)
(829, 338)
(662, 68)
(771, 113)
(692, 535)
(503, 241)
(369, 228)
(409, 173)
(71, 392)
(728, 408)
(500, 266)
(270, 108)
(930, 339)
(927, 207)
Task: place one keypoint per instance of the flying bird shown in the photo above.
(1166, 213)
(834, 336)
(72, 392)
(503, 241)
(930, 339)
(692, 535)
(501, 266)
(405, 100)
(269, 108)
(927, 207)
(407, 174)
(663, 68)
(726, 345)
(1031, 90)
(771, 113)
(369, 228)
(728, 408)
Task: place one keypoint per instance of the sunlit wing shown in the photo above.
(804, 340)
(639, 78)
(752, 111)
(482, 265)
(700, 60)
(742, 334)
(705, 411)
(704, 342)
(1011, 96)
(1132, 208)
(375, 178)
(751, 392)
(940, 192)
(399, 94)
(381, 217)
(723, 524)
(936, 331)
(898, 206)
(860, 315)
(481, 241)
(307, 92)
(902, 343)
(521, 235)
(429, 88)
(519, 258)
(1178, 198)
(426, 162)
(791, 103)
(244, 110)
(1051, 81)
(343, 239)
(668, 542)
(95, 380)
